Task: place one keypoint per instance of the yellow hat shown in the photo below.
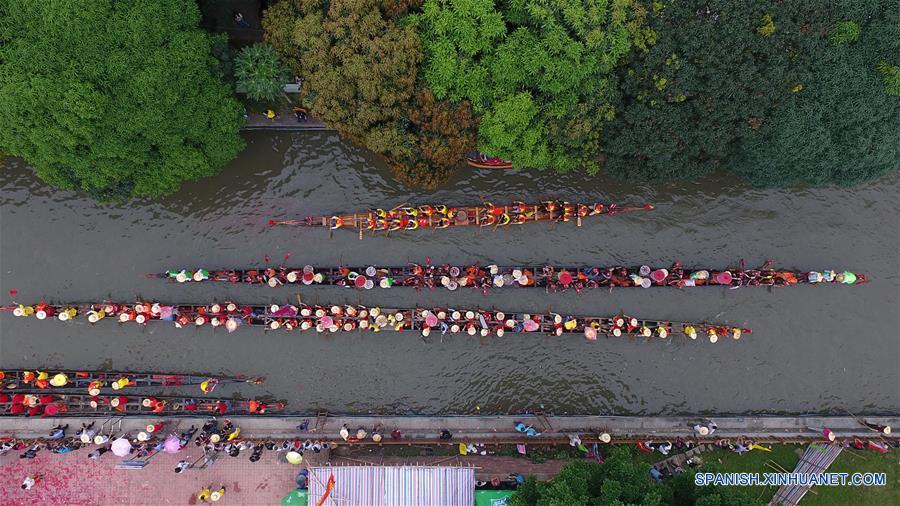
(59, 380)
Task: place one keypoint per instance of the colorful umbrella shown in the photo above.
(172, 444)
(121, 447)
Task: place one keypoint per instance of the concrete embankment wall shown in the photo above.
(492, 429)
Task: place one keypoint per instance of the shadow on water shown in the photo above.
(814, 349)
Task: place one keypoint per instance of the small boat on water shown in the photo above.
(484, 277)
(482, 161)
(44, 404)
(94, 381)
(442, 216)
(334, 318)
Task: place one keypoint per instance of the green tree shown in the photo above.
(621, 479)
(260, 73)
(782, 107)
(118, 99)
(360, 67)
(540, 67)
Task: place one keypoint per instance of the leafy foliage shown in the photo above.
(360, 68)
(791, 107)
(119, 99)
(845, 32)
(539, 71)
(622, 479)
(444, 132)
(260, 73)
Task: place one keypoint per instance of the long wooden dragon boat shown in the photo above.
(551, 278)
(333, 318)
(95, 381)
(42, 403)
(442, 216)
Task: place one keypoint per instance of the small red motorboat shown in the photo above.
(482, 161)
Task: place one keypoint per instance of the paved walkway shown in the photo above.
(499, 429)
(285, 120)
(74, 479)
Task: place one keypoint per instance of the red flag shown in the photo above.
(328, 488)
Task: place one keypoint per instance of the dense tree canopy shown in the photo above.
(622, 479)
(116, 98)
(360, 68)
(540, 71)
(777, 92)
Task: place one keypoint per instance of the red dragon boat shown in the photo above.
(94, 381)
(44, 404)
(442, 216)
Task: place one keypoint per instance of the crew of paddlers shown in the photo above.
(549, 277)
(44, 404)
(94, 381)
(230, 316)
(442, 216)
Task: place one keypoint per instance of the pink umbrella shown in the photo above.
(590, 333)
(326, 321)
(659, 275)
(172, 444)
(530, 325)
(360, 281)
(121, 447)
(165, 312)
(723, 278)
(565, 277)
(431, 320)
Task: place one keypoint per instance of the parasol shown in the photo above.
(172, 444)
(121, 447)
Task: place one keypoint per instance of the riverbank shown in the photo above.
(499, 452)
(498, 429)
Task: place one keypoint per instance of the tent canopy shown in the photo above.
(392, 486)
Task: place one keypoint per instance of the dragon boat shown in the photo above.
(333, 318)
(549, 277)
(442, 216)
(94, 381)
(42, 403)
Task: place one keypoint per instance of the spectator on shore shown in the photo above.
(182, 466)
(185, 437)
(31, 452)
(204, 494)
(240, 21)
(665, 448)
(30, 481)
(302, 116)
(215, 496)
(58, 432)
(446, 434)
(271, 114)
(96, 454)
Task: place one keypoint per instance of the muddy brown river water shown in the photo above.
(821, 349)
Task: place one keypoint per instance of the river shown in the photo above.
(814, 349)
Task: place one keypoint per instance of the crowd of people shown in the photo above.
(552, 278)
